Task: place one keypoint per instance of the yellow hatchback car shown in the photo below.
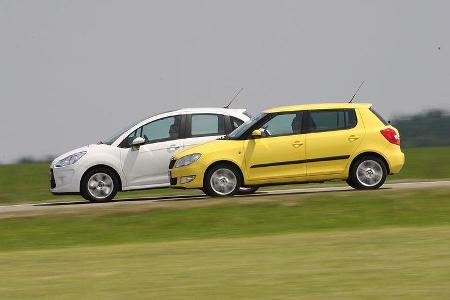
(294, 144)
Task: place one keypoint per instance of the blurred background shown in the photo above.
(73, 72)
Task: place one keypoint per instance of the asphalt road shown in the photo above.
(42, 208)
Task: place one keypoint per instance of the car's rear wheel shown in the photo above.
(248, 190)
(222, 180)
(99, 185)
(367, 173)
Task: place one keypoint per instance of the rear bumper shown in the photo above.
(396, 162)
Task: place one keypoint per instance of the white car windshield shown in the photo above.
(118, 133)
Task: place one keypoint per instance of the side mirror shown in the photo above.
(256, 134)
(137, 142)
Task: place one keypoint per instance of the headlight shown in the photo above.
(70, 160)
(187, 160)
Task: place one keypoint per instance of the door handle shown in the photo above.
(353, 138)
(297, 144)
(173, 148)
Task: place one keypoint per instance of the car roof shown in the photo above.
(318, 106)
(208, 109)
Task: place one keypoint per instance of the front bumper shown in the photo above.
(196, 169)
(65, 180)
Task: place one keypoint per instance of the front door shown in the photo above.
(280, 153)
(148, 165)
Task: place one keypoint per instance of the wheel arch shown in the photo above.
(103, 166)
(228, 162)
(370, 153)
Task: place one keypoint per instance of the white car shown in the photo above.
(138, 156)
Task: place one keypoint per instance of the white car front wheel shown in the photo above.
(99, 185)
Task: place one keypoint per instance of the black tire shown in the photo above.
(226, 171)
(350, 183)
(244, 190)
(365, 180)
(101, 172)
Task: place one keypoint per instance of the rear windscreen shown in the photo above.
(379, 116)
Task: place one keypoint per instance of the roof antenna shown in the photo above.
(234, 98)
(356, 92)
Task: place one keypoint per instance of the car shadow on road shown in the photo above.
(202, 197)
(153, 199)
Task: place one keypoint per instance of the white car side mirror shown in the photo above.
(137, 142)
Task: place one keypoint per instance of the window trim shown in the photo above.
(307, 114)
(221, 125)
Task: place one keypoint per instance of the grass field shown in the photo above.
(30, 182)
(345, 245)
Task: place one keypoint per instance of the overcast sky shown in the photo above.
(72, 72)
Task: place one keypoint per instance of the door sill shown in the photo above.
(146, 187)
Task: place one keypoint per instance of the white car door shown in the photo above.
(204, 127)
(147, 166)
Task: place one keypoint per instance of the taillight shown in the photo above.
(391, 135)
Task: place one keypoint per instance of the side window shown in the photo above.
(157, 131)
(162, 130)
(206, 125)
(283, 124)
(235, 123)
(329, 120)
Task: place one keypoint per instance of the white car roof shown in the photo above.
(209, 109)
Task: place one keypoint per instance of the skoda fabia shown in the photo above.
(295, 144)
(137, 157)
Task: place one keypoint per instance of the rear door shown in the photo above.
(203, 127)
(331, 138)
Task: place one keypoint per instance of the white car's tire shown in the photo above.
(99, 184)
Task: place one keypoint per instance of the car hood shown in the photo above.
(210, 147)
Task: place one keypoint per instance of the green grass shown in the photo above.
(234, 217)
(373, 264)
(346, 245)
(30, 182)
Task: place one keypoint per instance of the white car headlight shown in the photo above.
(187, 160)
(69, 160)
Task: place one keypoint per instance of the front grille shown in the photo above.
(52, 179)
(172, 163)
(173, 181)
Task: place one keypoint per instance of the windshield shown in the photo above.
(238, 132)
(118, 133)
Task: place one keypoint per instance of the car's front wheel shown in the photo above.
(222, 180)
(367, 173)
(99, 185)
